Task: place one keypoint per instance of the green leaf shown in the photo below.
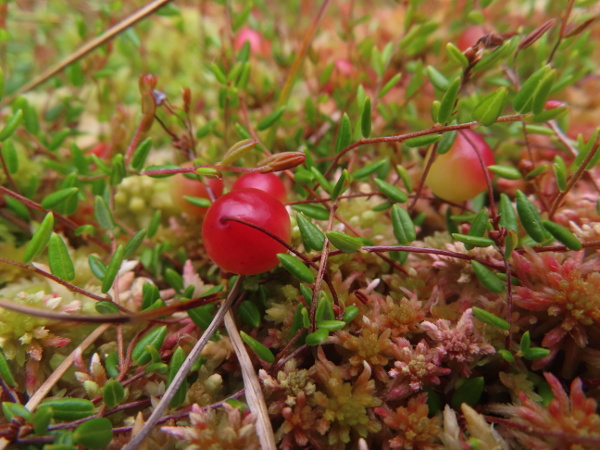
(350, 313)
(530, 218)
(344, 134)
(41, 420)
(112, 393)
(473, 240)
(490, 319)
(313, 211)
(154, 339)
(97, 267)
(103, 214)
(118, 171)
(390, 191)
(365, 118)
(523, 101)
(331, 325)
(95, 433)
(468, 392)
(9, 153)
(296, 268)
(312, 237)
(543, 91)
(271, 119)
(438, 80)
(488, 278)
(563, 235)
(112, 269)
(217, 72)
(416, 80)
(174, 279)
(341, 185)
(560, 172)
(177, 361)
(69, 408)
(154, 223)
(536, 353)
(448, 101)
(319, 178)
(508, 218)
(446, 142)
(5, 372)
(134, 243)
(317, 338)
(478, 226)
(343, 242)
(456, 56)
(52, 200)
(368, 170)
(509, 173)
(107, 308)
(202, 315)
(59, 259)
(259, 349)
(389, 85)
(249, 313)
(11, 410)
(40, 238)
(490, 108)
(237, 151)
(11, 126)
(423, 141)
(404, 228)
(525, 343)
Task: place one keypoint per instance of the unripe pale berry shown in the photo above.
(457, 175)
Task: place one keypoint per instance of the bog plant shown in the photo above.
(302, 225)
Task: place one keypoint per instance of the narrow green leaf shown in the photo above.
(523, 101)
(530, 218)
(9, 153)
(343, 242)
(446, 142)
(249, 313)
(296, 268)
(237, 151)
(350, 313)
(563, 235)
(491, 319)
(423, 141)
(536, 353)
(69, 408)
(217, 72)
(40, 238)
(202, 315)
(405, 177)
(416, 80)
(490, 108)
(508, 218)
(390, 191)
(12, 410)
(488, 278)
(95, 433)
(140, 354)
(133, 244)
(456, 56)
(469, 392)
(509, 173)
(112, 269)
(473, 240)
(525, 343)
(59, 259)
(560, 172)
(404, 228)
(448, 101)
(52, 200)
(107, 308)
(271, 119)
(174, 279)
(507, 355)
(341, 185)
(42, 420)
(319, 178)
(365, 118)
(387, 87)
(438, 80)
(176, 362)
(543, 91)
(331, 325)
(118, 171)
(112, 393)
(154, 223)
(313, 211)
(312, 237)
(478, 226)
(369, 169)
(259, 349)
(103, 214)
(97, 267)
(344, 134)
(5, 372)
(317, 338)
(11, 125)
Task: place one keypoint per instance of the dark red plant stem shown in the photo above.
(575, 178)
(422, 180)
(405, 136)
(488, 180)
(69, 286)
(563, 26)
